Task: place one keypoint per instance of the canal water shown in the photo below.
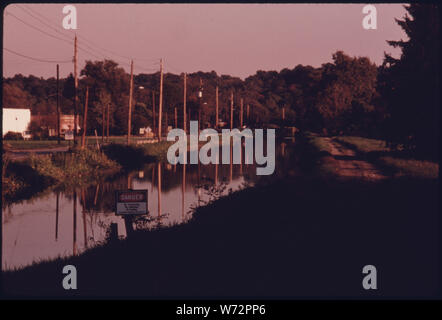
(59, 223)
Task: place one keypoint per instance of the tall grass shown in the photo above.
(397, 162)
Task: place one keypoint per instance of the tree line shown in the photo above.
(397, 101)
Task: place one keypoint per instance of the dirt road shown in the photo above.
(349, 165)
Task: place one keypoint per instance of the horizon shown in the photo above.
(197, 38)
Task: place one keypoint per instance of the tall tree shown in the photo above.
(412, 81)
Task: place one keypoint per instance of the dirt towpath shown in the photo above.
(349, 165)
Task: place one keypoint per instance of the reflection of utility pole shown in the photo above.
(231, 161)
(159, 192)
(199, 183)
(83, 200)
(56, 215)
(58, 105)
(75, 224)
(183, 190)
(75, 90)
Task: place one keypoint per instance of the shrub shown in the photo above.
(126, 156)
(13, 136)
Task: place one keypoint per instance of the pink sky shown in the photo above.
(235, 39)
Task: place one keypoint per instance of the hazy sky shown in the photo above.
(235, 39)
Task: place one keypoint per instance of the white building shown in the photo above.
(16, 120)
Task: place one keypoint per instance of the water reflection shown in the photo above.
(173, 191)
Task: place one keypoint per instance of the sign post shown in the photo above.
(129, 203)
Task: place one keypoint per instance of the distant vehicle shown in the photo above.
(27, 135)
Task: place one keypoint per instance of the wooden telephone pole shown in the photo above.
(160, 106)
(107, 124)
(153, 113)
(58, 105)
(130, 100)
(200, 97)
(216, 108)
(83, 140)
(75, 89)
(185, 101)
(248, 114)
(231, 110)
(176, 119)
(241, 112)
(103, 123)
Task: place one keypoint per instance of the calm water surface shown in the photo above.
(67, 222)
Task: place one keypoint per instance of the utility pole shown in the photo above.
(153, 113)
(75, 89)
(231, 110)
(103, 123)
(200, 97)
(107, 125)
(185, 101)
(248, 114)
(58, 105)
(283, 114)
(176, 119)
(85, 119)
(160, 107)
(241, 112)
(216, 108)
(130, 99)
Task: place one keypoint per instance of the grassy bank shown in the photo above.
(316, 158)
(135, 156)
(22, 179)
(396, 162)
(50, 144)
(37, 172)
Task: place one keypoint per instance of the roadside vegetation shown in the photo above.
(23, 178)
(395, 161)
(20, 144)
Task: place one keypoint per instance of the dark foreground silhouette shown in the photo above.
(303, 236)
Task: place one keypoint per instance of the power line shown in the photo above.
(37, 59)
(27, 10)
(85, 39)
(38, 29)
(79, 47)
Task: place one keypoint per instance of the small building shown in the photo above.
(49, 122)
(16, 120)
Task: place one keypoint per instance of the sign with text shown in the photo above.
(131, 202)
